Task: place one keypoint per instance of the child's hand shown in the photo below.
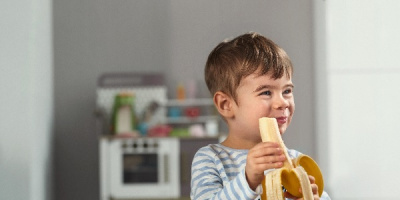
(263, 156)
(314, 188)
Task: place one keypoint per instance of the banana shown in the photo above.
(294, 173)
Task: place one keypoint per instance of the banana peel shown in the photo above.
(294, 173)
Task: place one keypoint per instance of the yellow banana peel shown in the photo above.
(294, 173)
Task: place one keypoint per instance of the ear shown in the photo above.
(224, 104)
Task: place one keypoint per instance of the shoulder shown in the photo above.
(210, 151)
(218, 153)
(206, 159)
(205, 153)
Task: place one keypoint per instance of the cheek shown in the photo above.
(291, 111)
(292, 108)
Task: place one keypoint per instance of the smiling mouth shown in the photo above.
(281, 120)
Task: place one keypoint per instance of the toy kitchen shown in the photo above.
(147, 141)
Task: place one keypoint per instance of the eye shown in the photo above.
(266, 93)
(287, 91)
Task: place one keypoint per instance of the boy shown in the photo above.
(249, 78)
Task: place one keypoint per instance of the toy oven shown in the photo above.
(143, 168)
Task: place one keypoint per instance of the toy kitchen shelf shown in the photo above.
(183, 113)
(204, 107)
(190, 102)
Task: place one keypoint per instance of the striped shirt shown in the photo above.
(218, 172)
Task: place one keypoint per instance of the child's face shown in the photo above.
(262, 96)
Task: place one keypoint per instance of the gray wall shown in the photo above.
(92, 37)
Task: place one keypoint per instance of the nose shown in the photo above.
(280, 103)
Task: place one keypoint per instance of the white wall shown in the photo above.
(26, 100)
(320, 86)
(363, 75)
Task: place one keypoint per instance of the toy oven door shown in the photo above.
(145, 168)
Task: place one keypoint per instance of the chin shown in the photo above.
(282, 130)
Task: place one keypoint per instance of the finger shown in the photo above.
(266, 166)
(314, 188)
(312, 179)
(265, 151)
(290, 196)
(269, 159)
(267, 144)
(273, 144)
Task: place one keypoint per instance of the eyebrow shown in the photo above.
(262, 87)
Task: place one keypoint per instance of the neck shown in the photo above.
(239, 143)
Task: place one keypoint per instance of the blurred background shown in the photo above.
(52, 53)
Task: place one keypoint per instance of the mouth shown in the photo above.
(281, 120)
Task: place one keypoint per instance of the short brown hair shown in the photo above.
(231, 61)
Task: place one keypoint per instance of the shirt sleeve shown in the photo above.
(325, 196)
(207, 183)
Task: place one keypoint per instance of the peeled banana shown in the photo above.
(293, 175)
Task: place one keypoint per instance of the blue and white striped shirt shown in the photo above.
(218, 172)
